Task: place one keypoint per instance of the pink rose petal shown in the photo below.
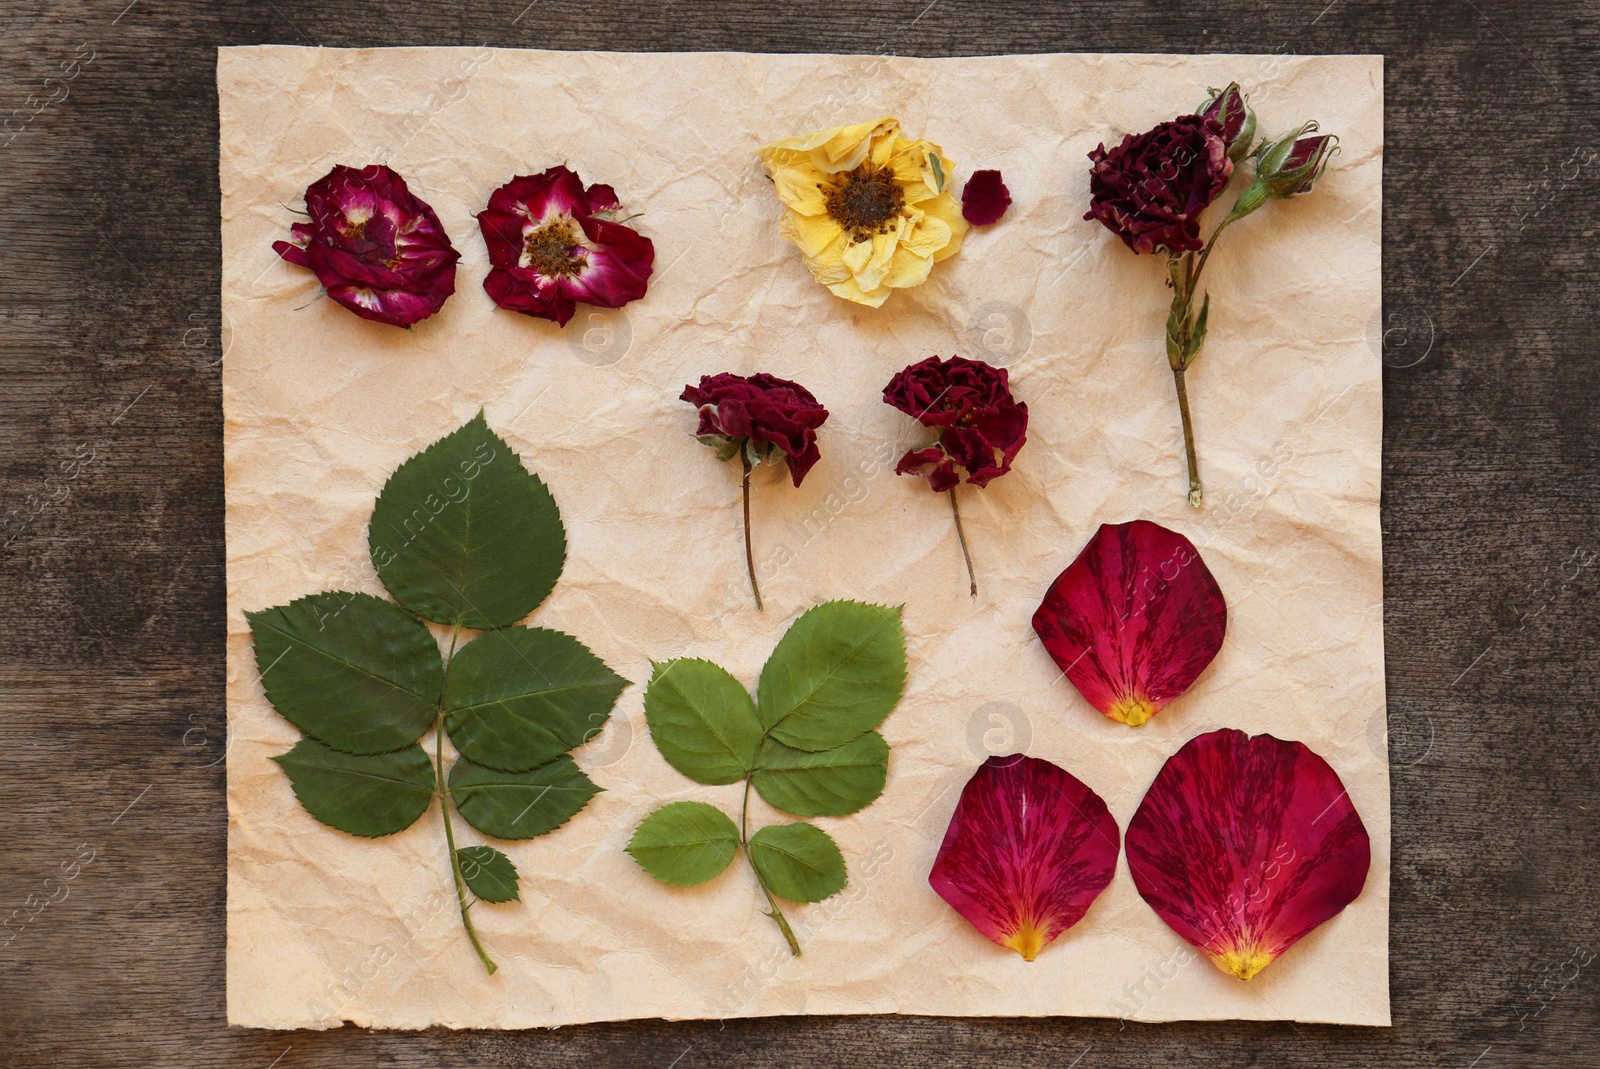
(1134, 620)
(1028, 850)
(1244, 844)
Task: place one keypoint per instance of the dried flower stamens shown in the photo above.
(549, 250)
(865, 200)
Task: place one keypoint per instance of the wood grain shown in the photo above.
(111, 652)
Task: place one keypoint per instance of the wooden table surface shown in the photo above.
(111, 656)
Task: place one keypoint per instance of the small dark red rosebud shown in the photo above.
(985, 198)
(1234, 119)
(1151, 189)
(550, 249)
(763, 415)
(982, 427)
(376, 248)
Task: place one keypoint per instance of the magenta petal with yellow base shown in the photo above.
(1028, 850)
(1134, 620)
(1244, 844)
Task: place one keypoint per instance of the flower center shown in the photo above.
(864, 200)
(549, 250)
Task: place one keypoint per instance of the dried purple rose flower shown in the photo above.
(376, 248)
(1233, 116)
(552, 245)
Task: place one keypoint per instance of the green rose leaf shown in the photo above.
(685, 843)
(463, 534)
(369, 795)
(829, 783)
(354, 671)
(835, 675)
(518, 698)
(489, 873)
(702, 720)
(520, 805)
(798, 862)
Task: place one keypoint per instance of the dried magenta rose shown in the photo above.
(376, 248)
(1151, 189)
(1028, 850)
(985, 198)
(1244, 844)
(1134, 620)
(552, 245)
(758, 418)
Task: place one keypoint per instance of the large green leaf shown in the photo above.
(517, 698)
(368, 795)
(520, 805)
(354, 671)
(702, 720)
(836, 674)
(798, 862)
(685, 843)
(831, 783)
(489, 874)
(463, 534)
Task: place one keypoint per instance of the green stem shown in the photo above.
(749, 555)
(444, 810)
(1188, 437)
(744, 841)
(961, 535)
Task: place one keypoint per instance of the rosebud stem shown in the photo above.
(1188, 437)
(961, 536)
(749, 554)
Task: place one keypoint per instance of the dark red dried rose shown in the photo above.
(769, 412)
(551, 247)
(376, 248)
(1151, 189)
(981, 426)
(985, 198)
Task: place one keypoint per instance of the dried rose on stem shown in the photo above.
(1152, 189)
(981, 427)
(759, 418)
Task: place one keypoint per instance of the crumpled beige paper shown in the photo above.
(321, 406)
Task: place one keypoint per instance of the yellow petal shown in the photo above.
(850, 291)
(929, 236)
(801, 188)
(907, 269)
(945, 208)
(810, 233)
(840, 149)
